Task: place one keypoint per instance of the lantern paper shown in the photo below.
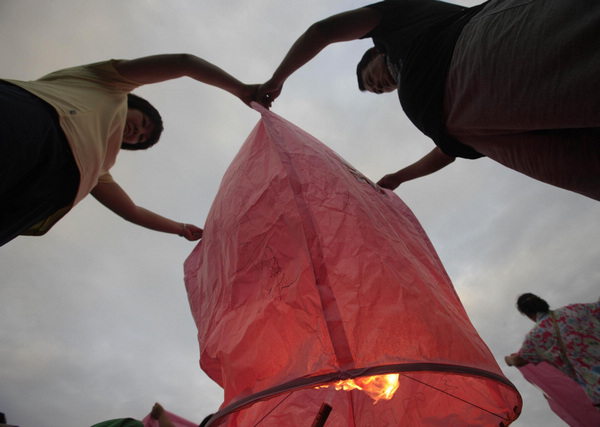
(308, 273)
(566, 398)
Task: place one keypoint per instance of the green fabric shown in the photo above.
(120, 422)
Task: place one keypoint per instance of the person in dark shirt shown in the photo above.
(514, 80)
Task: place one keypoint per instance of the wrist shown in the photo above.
(183, 228)
(237, 89)
(277, 79)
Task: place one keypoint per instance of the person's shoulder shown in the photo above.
(592, 306)
(581, 305)
(79, 71)
(539, 327)
(544, 321)
(578, 308)
(102, 73)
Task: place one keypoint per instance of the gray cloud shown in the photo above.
(95, 319)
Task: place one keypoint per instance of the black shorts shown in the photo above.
(38, 174)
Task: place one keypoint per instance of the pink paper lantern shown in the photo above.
(309, 274)
(566, 398)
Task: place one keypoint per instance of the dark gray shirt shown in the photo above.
(418, 38)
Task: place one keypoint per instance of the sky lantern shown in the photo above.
(319, 300)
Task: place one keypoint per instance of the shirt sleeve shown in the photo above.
(591, 311)
(105, 178)
(529, 349)
(595, 309)
(99, 73)
(109, 75)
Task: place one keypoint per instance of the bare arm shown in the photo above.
(346, 26)
(111, 195)
(158, 68)
(159, 413)
(515, 360)
(430, 163)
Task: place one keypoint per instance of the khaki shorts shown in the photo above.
(524, 89)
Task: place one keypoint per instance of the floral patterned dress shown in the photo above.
(579, 326)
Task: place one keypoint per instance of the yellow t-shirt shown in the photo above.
(91, 101)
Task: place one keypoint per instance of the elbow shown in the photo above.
(130, 213)
(442, 158)
(182, 64)
(446, 159)
(182, 60)
(319, 33)
(318, 28)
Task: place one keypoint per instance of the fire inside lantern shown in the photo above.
(377, 387)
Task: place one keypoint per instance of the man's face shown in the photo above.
(138, 127)
(377, 78)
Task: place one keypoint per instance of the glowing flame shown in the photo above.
(376, 387)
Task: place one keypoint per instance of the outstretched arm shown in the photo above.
(159, 413)
(158, 68)
(342, 27)
(515, 360)
(430, 163)
(111, 195)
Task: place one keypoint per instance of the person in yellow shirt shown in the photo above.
(61, 134)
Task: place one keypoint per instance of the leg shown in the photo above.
(568, 159)
(526, 65)
(523, 89)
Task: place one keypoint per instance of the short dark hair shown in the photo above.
(138, 103)
(364, 61)
(530, 304)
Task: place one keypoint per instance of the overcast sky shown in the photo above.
(94, 317)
